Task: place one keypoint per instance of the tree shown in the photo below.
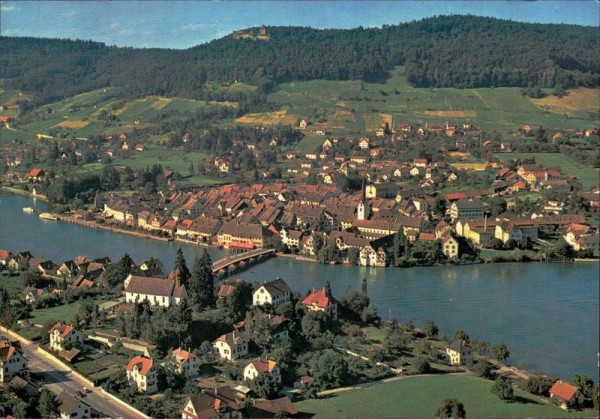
(181, 268)
(431, 330)
(422, 365)
(503, 388)
(585, 384)
(540, 386)
(48, 406)
(460, 335)
(399, 243)
(500, 352)
(202, 282)
(265, 386)
(330, 369)
(451, 408)
(116, 273)
(353, 254)
(483, 369)
(314, 324)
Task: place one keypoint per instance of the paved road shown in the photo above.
(59, 380)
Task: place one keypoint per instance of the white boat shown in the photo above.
(27, 209)
(48, 216)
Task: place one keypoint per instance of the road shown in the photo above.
(59, 380)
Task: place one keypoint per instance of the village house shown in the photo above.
(257, 367)
(450, 247)
(212, 403)
(12, 361)
(158, 292)
(231, 346)
(141, 374)
(36, 175)
(234, 232)
(320, 300)
(71, 407)
(5, 256)
(281, 407)
(516, 230)
(62, 336)
(566, 394)
(368, 256)
(185, 362)
(467, 209)
(381, 190)
(274, 292)
(458, 352)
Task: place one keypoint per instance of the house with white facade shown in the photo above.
(185, 362)
(141, 373)
(320, 300)
(160, 292)
(458, 352)
(12, 361)
(71, 407)
(257, 367)
(231, 346)
(63, 335)
(273, 292)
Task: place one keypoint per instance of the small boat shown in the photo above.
(48, 216)
(27, 209)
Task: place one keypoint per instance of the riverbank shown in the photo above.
(113, 229)
(24, 193)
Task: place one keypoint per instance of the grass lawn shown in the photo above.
(589, 177)
(11, 283)
(420, 397)
(63, 313)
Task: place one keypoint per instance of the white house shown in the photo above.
(186, 363)
(63, 334)
(159, 292)
(231, 346)
(141, 373)
(12, 361)
(257, 367)
(450, 246)
(274, 292)
(71, 407)
(458, 352)
(320, 301)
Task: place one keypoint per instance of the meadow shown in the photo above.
(589, 177)
(420, 397)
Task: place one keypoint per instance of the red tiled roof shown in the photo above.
(64, 329)
(35, 172)
(180, 353)
(318, 298)
(144, 364)
(563, 391)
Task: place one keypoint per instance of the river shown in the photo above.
(547, 314)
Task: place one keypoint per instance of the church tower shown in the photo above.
(363, 210)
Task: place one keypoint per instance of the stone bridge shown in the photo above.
(226, 266)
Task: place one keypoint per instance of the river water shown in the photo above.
(547, 314)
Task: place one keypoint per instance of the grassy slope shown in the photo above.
(589, 177)
(357, 106)
(420, 397)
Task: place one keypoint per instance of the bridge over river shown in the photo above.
(224, 267)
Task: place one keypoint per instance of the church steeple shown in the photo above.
(363, 210)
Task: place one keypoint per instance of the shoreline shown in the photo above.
(300, 258)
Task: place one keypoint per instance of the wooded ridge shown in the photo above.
(448, 51)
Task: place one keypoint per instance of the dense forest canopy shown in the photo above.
(448, 51)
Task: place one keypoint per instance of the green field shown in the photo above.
(589, 177)
(12, 284)
(345, 107)
(420, 397)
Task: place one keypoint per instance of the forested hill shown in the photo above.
(450, 51)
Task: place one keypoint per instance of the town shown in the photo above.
(236, 349)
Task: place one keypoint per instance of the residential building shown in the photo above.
(141, 374)
(458, 352)
(368, 256)
(185, 362)
(467, 209)
(450, 247)
(321, 300)
(566, 394)
(12, 361)
(231, 346)
(160, 292)
(235, 232)
(212, 403)
(274, 292)
(71, 407)
(257, 367)
(64, 335)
